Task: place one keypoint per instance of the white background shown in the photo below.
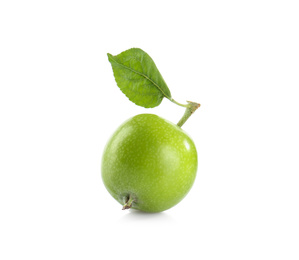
(59, 104)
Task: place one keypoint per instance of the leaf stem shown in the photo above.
(190, 108)
(182, 105)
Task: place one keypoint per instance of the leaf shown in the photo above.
(138, 77)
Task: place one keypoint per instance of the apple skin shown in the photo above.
(150, 159)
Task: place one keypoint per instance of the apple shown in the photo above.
(149, 164)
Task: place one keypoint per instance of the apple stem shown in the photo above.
(190, 109)
(128, 203)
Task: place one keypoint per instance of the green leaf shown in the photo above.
(138, 77)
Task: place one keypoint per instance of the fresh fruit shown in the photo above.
(149, 164)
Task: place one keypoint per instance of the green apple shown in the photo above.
(149, 164)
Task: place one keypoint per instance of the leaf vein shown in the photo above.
(143, 75)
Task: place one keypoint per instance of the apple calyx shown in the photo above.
(128, 203)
